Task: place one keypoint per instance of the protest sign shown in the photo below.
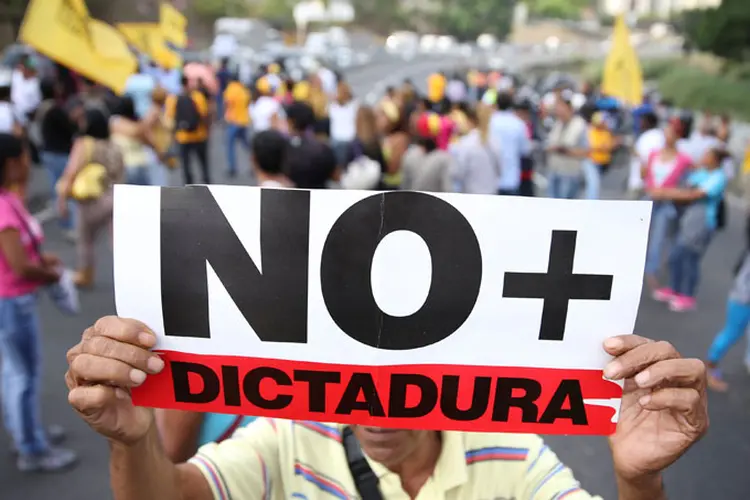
(398, 309)
(63, 31)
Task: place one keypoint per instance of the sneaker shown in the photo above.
(56, 435)
(54, 460)
(682, 303)
(664, 295)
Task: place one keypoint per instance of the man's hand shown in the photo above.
(664, 409)
(112, 357)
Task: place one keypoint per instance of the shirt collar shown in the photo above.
(450, 470)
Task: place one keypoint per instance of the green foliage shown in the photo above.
(558, 9)
(468, 19)
(723, 30)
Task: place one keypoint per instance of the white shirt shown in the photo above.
(697, 146)
(328, 80)
(7, 118)
(509, 131)
(456, 91)
(650, 141)
(343, 120)
(25, 95)
(261, 112)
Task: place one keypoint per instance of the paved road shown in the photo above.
(715, 469)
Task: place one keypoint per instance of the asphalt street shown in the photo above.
(716, 468)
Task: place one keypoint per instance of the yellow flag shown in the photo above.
(63, 31)
(173, 26)
(147, 38)
(623, 77)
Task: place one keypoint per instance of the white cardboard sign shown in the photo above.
(403, 309)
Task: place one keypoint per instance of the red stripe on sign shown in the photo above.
(441, 397)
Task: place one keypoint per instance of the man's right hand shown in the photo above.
(112, 357)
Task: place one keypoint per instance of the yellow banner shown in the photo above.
(173, 26)
(147, 38)
(623, 77)
(63, 31)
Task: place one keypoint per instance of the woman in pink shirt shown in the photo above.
(23, 270)
(665, 168)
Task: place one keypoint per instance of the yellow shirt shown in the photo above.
(237, 102)
(436, 87)
(280, 459)
(600, 138)
(183, 136)
(746, 162)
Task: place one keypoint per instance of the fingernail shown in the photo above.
(146, 339)
(155, 364)
(612, 370)
(613, 343)
(137, 376)
(642, 378)
(644, 400)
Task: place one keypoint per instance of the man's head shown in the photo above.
(300, 117)
(563, 109)
(269, 147)
(649, 121)
(185, 82)
(393, 447)
(504, 101)
(27, 67)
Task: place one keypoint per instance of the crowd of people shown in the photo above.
(473, 133)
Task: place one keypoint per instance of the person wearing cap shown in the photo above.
(25, 92)
(425, 166)
(567, 150)
(265, 112)
(602, 142)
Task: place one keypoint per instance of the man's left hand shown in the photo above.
(664, 405)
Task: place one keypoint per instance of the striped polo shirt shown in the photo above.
(275, 459)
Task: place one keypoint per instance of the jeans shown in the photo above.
(235, 133)
(55, 164)
(593, 177)
(200, 149)
(140, 176)
(663, 216)
(738, 317)
(341, 150)
(566, 187)
(20, 350)
(684, 269)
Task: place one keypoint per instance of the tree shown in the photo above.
(722, 30)
(468, 19)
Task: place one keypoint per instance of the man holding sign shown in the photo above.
(663, 413)
(366, 309)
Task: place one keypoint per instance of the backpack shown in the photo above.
(187, 117)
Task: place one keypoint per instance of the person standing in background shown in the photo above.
(9, 122)
(524, 111)
(224, 78)
(26, 94)
(57, 134)
(511, 134)
(477, 164)
(237, 117)
(567, 150)
(601, 142)
(342, 114)
(23, 271)
(189, 111)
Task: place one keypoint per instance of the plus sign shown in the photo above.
(558, 286)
